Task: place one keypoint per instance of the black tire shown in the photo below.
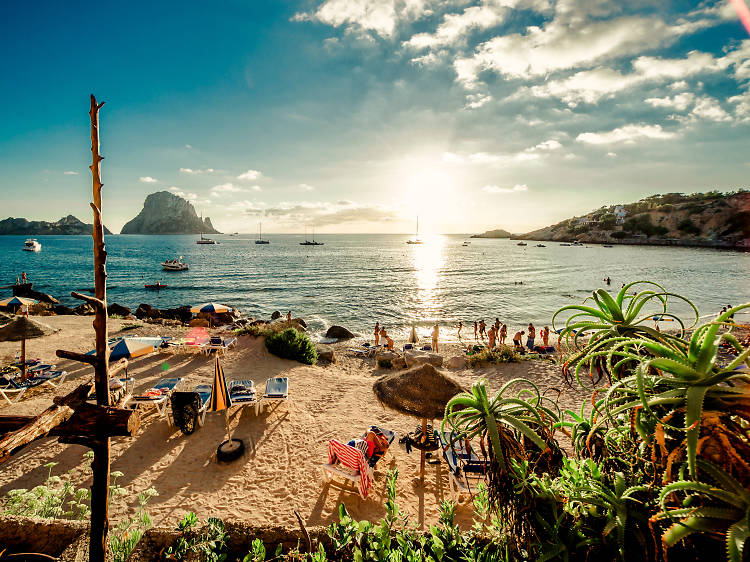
(227, 452)
(189, 419)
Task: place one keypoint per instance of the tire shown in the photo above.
(189, 419)
(227, 452)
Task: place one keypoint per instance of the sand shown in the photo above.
(280, 470)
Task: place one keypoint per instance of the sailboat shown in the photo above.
(308, 242)
(260, 236)
(203, 239)
(416, 237)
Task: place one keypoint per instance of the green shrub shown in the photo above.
(642, 223)
(619, 235)
(688, 227)
(291, 344)
(505, 354)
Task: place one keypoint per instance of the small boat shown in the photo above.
(576, 243)
(203, 239)
(310, 243)
(607, 245)
(174, 265)
(31, 245)
(522, 244)
(541, 246)
(465, 244)
(416, 237)
(260, 236)
(565, 244)
(156, 286)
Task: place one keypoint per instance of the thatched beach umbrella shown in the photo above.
(422, 392)
(413, 338)
(22, 329)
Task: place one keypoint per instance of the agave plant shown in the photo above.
(724, 508)
(610, 320)
(680, 381)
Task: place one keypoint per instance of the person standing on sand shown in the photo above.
(289, 316)
(518, 338)
(491, 333)
(503, 334)
(377, 333)
(24, 280)
(460, 325)
(545, 336)
(531, 336)
(475, 330)
(497, 325)
(389, 342)
(435, 337)
(482, 327)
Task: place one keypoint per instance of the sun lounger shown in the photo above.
(10, 391)
(242, 393)
(53, 378)
(189, 408)
(277, 390)
(157, 397)
(219, 345)
(465, 468)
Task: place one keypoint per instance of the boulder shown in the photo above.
(27, 290)
(339, 333)
(300, 322)
(414, 358)
(118, 310)
(327, 356)
(385, 359)
(83, 309)
(258, 323)
(198, 323)
(62, 310)
(143, 311)
(457, 362)
(275, 315)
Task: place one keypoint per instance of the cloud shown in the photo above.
(324, 214)
(378, 16)
(455, 27)
(475, 101)
(147, 179)
(70, 173)
(195, 171)
(497, 189)
(188, 146)
(627, 134)
(551, 144)
(250, 175)
(678, 102)
(305, 187)
(231, 188)
(709, 109)
(179, 193)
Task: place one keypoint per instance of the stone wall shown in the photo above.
(67, 540)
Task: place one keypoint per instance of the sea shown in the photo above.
(354, 280)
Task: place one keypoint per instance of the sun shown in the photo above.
(429, 190)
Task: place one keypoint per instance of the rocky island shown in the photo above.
(66, 225)
(497, 233)
(713, 219)
(166, 213)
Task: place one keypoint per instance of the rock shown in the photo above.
(198, 322)
(143, 311)
(414, 358)
(385, 359)
(66, 225)
(258, 323)
(339, 333)
(27, 290)
(62, 310)
(115, 309)
(399, 362)
(166, 213)
(275, 315)
(457, 362)
(222, 319)
(326, 356)
(83, 309)
(300, 322)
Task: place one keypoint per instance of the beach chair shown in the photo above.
(11, 391)
(157, 397)
(242, 393)
(277, 390)
(189, 408)
(52, 378)
(219, 345)
(465, 468)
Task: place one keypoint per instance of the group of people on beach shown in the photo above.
(381, 334)
(498, 333)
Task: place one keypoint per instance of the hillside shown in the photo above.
(710, 219)
(166, 213)
(498, 233)
(66, 225)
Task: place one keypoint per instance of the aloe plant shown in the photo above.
(725, 509)
(681, 379)
(611, 319)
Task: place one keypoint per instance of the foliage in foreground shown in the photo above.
(291, 344)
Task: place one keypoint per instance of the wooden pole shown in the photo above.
(100, 466)
(23, 360)
(423, 455)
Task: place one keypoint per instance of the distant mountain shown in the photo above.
(66, 225)
(499, 233)
(166, 213)
(713, 219)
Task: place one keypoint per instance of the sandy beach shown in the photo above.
(286, 443)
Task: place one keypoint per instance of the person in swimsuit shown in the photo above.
(491, 333)
(531, 336)
(503, 334)
(460, 325)
(545, 336)
(377, 333)
(289, 316)
(482, 327)
(518, 338)
(435, 337)
(475, 330)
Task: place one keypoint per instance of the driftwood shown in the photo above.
(9, 424)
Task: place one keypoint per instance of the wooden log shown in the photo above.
(9, 424)
(80, 357)
(121, 365)
(93, 301)
(60, 411)
(99, 422)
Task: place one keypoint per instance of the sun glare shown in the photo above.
(428, 190)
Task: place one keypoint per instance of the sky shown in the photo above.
(360, 115)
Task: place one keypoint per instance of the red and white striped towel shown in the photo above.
(353, 459)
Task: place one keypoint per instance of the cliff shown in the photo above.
(166, 213)
(66, 225)
(498, 233)
(710, 219)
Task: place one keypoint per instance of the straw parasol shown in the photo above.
(22, 329)
(422, 392)
(413, 338)
(220, 400)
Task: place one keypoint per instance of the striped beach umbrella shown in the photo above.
(231, 448)
(210, 307)
(17, 301)
(130, 348)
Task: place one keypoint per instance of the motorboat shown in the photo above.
(565, 244)
(541, 246)
(174, 265)
(416, 236)
(576, 243)
(522, 244)
(32, 245)
(310, 243)
(155, 286)
(204, 240)
(607, 245)
(260, 236)
(466, 244)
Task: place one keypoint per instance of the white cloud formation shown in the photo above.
(678, 102)
(231, 188)
(188, 146)
(741, 104)
(475, 101)
(551, 144)
(196, 171)
(455, 27)
(180, 193)
(627, 134)
(709, 109)
(305, 187)
(497, 189)
(70, 173)
(324, 213)
(147, 179)
(250, 175)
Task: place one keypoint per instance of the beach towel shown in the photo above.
(352, 459)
